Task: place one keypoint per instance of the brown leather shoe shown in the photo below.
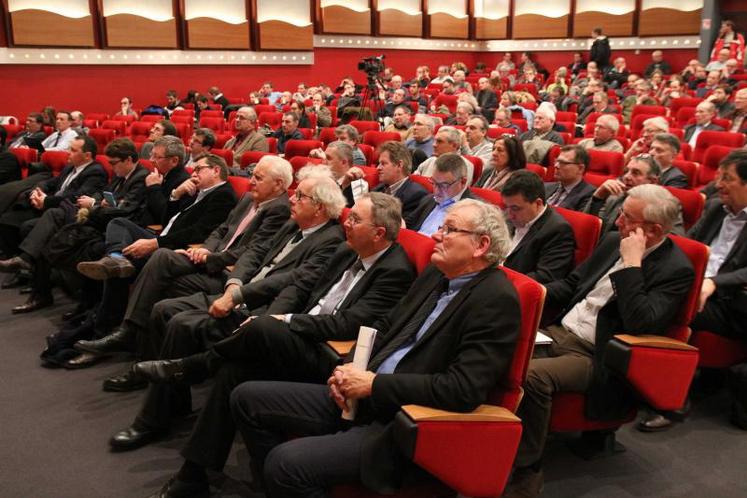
(655, 422)
(32, 304)
(106, 268)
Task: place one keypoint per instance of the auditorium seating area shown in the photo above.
(470, 454)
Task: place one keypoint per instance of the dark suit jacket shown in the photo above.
(374, 295)
(129, 194)
(609, 209)
(427, 203)
(410, 193)
(674, 177)
(303, 265)
(645, 301)
(259, 232)
(454, 365)
(88, 182)
(195, 222)
(577, 199)
(10, 170)
(546, 252)
(157, 196)
(731, 279)
(690, 129)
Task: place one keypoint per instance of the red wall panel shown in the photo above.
(99, 88)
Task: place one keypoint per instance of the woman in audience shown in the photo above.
(191, 97)
(508, 156)
(50, 116)
(657, 83)
(651, 127)
(299, 108)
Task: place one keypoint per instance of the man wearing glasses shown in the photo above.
(362, 280)
(448, 139)
(570, 191)
(634, 282)
(170, 273)
(201, 143)
(608, 199)
(449, 182)
(163, 128)
(247, 137)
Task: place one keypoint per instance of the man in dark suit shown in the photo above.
(219, 98)
(128, 189)
(364, 278)
(723, 298)
(288, 131)
(542, 243)
(449, 181)
(665, 148)
(33, 134)
(634, 282)
(394, 168)
(250, 226)
(570, 191)
(82, 176)
(10, 170)
(441, 347)
(704, 113)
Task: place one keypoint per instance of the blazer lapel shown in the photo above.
(532, 232)
(738, 244)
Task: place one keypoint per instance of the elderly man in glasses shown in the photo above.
(608, 199)
(449, 180)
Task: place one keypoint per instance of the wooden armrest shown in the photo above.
(342, 348)
(483, 413)
(155, 228)
(654, 341)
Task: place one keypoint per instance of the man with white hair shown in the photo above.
(448, 140)
(704, 114)
(605, 131)
(411, 362)
(443, 74)
(421, 135)
(463, 111)
(635, 281)
(599, 103)
(720, 62)
(247, 138)
(538, 141)
(651, 126)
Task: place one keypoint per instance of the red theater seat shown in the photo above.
(423, 181)
(692, 203)
(717, 351)
(55, 160)
(252, 157)
(606, 162)
(376, 138)
(586, 230)
(214, 123)
(98, 116)
(689, 168)
(450, 101)
(139, 131)
(119, 127)
(300, 147)
(364, 126)
(212, 113)
(226, 154)
(709, 138)
(271, 119)
(477, 165)
(241, 185)
(102, 136)
(327, 135)
(492, 196)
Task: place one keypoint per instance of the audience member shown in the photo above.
(62, 138)
(201, 143)
(478, 144)
(704, 113)
(643, 96)
(421, 138)
(486, 98)
(33, 134)
(395, 165)
(288, 131)
(400, 122)
(508, 156)
(635, 281)
(542, 244)
(125, 108)
(657, 64)
(664, 148)
(570, 191)
(712, 81)
(605, 131)
(729, 40)
(448, 140)
(617, 76)
(651, 127)
(160, 129)
(738, 121)
(538, 141)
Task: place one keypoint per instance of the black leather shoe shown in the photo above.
(176, 488)
(79, 310)
(123, 383)
(12, 282)
(655, 422)
(34, 303)
(121, 341)
(160, 370)
(133, 437)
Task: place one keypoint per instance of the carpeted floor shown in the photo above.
(54, 427)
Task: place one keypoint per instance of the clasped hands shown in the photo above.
(36, 198)
(348, 382)
(197, 255)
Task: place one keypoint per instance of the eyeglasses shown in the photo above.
(355, 220)
(114, 162)
(560, 162)
(443, 185)
(200, 167)
(446, 230)
(154, 157)
(241, 118)
(300, 195)
(630, 219)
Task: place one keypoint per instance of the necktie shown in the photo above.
(406, 336)
(242, 226)
(334, 298)
(287, 248)
(57, 140)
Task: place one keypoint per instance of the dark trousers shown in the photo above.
(42, 231)
(121, 232)
(167, 274)
(568, 367)
(324, 453)
(720, 318)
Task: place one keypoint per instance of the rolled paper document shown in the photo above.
(363, 347)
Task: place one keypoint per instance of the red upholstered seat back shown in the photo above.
(692, 205)
(240, 184)
(531, 301)
(586, 230)
(252, 157)
(56, 160)
(606, 161)
(300, 147)
(226, 154)
(492, 196)
(698, 255)
(423, 181)
(477, 164)
(419, 247)
(364, 126)
(327, 135)
(376, 138)
(709, 138)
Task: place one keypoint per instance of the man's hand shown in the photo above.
(85, 202)
(706, 291)
(318, 153)
(188, 187)
(153, 178)
(354, 173)
(198, 255)
(349, 382)
(612, 186)
(140, 248)
(632, 248)
(222, 306)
